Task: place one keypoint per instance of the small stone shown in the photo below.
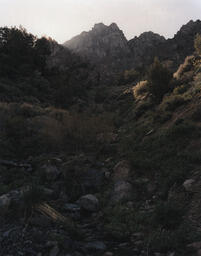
(108, 254)
(51, 171)
(107, 174)
(121, 171)
(188, 185)
(96, 246)
(122, 192)
(89, 202)
(138, 243)
(5, 201)
(72, 207)
(171, 254)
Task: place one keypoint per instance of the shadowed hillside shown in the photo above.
(90, 169)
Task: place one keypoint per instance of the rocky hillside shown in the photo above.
(98, 170)
(107, 47)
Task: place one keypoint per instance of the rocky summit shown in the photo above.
(107, 47)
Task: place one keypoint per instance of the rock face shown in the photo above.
(107, 47)
(101, 43)
(143, 47)
(181, 45)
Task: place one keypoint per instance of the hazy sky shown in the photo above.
(63, 19)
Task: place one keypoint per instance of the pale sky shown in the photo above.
(63, 19)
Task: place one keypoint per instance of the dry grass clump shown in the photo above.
(31, 130)
(140, 89)
(185, 67)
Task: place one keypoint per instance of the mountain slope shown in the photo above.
(107, 47)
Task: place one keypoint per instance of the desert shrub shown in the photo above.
(28, 129)
(140, 89)
(81, 130)
(142, 107)
(172, 102)
(120, 221)
(197, 44)
(72, 185)
(48, 133)
(168, 215)
(181, 89)
(196, 115)
(163, 241)
(101, 95)
(185, 67)
(158, 78)
(130, 75)
(162, 116)
(32, 196)
(161, 153)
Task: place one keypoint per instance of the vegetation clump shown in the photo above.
(197, 44)
(158, 78)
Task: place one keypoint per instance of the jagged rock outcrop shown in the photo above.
(143, 47)
(101, 43)
(107, 47)
(181, 45)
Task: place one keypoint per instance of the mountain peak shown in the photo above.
(99, 43)
(190, 28)
(99, 26)
(114, 26)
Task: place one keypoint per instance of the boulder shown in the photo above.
(121, 171)
(51, 171)
(89, 202)
(122, 192)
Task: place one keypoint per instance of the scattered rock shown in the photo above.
(188, 185)
(122, 192)
(96, 246)
(51, 171)
(195, 245)
(5, 202)
(89, 202)
(121, 171)
(48, 192)
(72, 207)
(92, 180)
(108, 254)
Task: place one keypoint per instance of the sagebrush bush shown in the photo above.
(168, 215)
(158, 78)
(31, 130)
(181, 89)
(172, 102)
(197, 44)
(140, 89)
(185, 67)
